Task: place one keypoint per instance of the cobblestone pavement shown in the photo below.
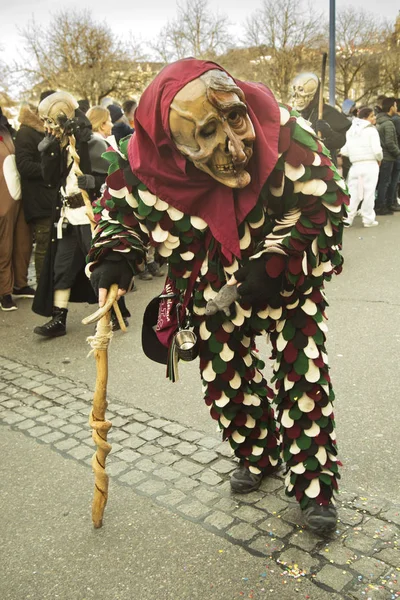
(188, 473)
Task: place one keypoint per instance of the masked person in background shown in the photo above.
(333, 125)
(231, 186)
(62, 279)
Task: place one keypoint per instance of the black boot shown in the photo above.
(57, 326)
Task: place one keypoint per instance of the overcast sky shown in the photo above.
(144, 18)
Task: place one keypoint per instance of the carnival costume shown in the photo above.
(281, 231)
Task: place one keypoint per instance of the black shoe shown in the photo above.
(382, 211)
(155, 269)
(244, 482)
(395, 208)
(115, 326)
(7, 303)
(56, 327)
(318, 518)
(25, 292)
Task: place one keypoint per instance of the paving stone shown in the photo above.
(166, 441)
(293, 515)
(65, 413)
(65, 400)
(43, 404)
(204, 457)
(150, 449)
(166, 458)
(152, 487)
(242, 532)
(208, 442)
(10, 417)
(24, 425)
(224, 449)
(185, 449)
(209, 477)
(304, 560)
(133, 442)
(83, 434)
(42, 389)
(124, 411)
(88, 396)
(206, 496)
(29, 412)
(267, 545)
(271, 484)
(66, 444)
(219, 520)
(223, 466)
(173, 428)
(54, 394)
(380, 530)
(336, 552)
(226, 505)
(167, 473)
(119, 422)
(335, 578)
(349, 516)
(65, 385)
(78, 405)
(187, 468)
(52, 437)
(249, 514)
(185, 484)
(190, 435)
(275, 527)
(52, 421)
(390, 556)
(30, 400)
(392, 515)
(27, 384)
(39, 430)
(304, 539)
(172, 498)
(134, 427)
(132, 477)
(71, 429)
(81, 452)
(272, 504)
(360, 542)
(194, 509)
(146, 465)
(128, 455)
(9, 376)
(158, 423)
(150, 434)
(370, 568)
(142, 417)
(117, 435)
(116, 467)
(371, 505)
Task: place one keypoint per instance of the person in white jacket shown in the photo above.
(364, 151)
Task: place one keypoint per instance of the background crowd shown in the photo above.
(42, 209)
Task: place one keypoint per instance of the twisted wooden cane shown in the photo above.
(99, 343)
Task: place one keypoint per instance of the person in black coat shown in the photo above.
(121, 127)
(38, 197)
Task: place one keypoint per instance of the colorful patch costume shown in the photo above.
(295, 226)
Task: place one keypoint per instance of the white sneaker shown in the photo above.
(373, 224)
(347, 223)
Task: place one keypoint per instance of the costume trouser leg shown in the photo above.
(15, 249)
(70, 257)
(304, 398)
(238, 395)
(41, 229)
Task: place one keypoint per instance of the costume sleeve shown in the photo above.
(27, 155)
(306, 198)
(117, 229)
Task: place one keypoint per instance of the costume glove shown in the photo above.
(256, 286)
(112, 270)
(86, 182)
(48, 140)
(324, 128)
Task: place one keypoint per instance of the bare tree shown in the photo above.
(390, 60)
(195, 32)
(77, 54)
(358, 55)
(288, 35)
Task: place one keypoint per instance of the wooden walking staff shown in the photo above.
(99, 343)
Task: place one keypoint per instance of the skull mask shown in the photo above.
(304, 86)
(210, 126)
(56, 109)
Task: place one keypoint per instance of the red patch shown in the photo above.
(275, 266)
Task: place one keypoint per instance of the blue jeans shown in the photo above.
(392, 189)
(385, 178)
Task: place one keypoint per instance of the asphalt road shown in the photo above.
(363, 346)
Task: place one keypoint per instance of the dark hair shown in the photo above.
(387, 103)
(365, 112)
(84, 105)
(128, 105)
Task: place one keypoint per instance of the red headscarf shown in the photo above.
(155, 160)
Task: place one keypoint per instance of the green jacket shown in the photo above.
(387, 133)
